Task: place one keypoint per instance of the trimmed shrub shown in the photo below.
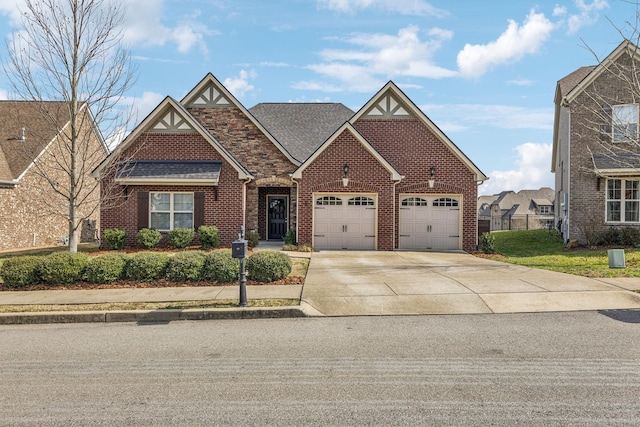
(252, 238)
(290, 237)
(610, 236)
(146, 266)
(208, 236)
(61, 268)
(115, 238)
(148, 237)
(221, 267)
(21, 271)
(186, 266)
(180, 237)
(105, 268)
(487, 243)
(298, 248)
(268, 266)
(630, 236)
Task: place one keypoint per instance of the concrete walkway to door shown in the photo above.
(347, 283)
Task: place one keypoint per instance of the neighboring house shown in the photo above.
(383, 178)
(31, 213)
(596, 154)
(524, 210)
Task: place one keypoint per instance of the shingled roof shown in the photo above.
(568, 82)
(301, 127)
(17, 153)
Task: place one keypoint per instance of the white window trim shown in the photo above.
(622, 201)
(172, 210)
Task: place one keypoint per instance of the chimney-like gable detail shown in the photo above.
(210, 97)
(388, 107)
(171, 121)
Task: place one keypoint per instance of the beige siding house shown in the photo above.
(32, 145)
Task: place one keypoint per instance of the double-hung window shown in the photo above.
(171, 210)
(623, 200)
(625, 123)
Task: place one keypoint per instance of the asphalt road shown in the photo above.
(553, 369)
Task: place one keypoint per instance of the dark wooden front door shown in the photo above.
(278, 209)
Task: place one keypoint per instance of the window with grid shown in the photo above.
(625, 123)
(415, 201)
(171, 210)
(329, 201)
(445, 201)
(623, 200)
(360, 201)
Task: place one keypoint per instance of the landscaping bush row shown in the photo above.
(116, 238)
(613, 236)
(61, 268)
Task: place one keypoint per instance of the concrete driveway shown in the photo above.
(347, 283)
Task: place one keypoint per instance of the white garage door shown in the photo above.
(344, 222)
(429, 222)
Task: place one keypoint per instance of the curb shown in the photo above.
(149, 316)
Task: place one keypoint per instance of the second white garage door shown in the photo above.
(344, 221)
(429, 222)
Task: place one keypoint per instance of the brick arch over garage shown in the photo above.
(352, 186)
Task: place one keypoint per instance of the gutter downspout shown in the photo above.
(244, 202)
(297, 206)
(395, 203)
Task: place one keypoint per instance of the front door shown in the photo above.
(278, 208)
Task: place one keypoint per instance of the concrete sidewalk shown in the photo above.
(148, 295)
(352, 283)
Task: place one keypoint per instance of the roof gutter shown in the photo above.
(9, 183)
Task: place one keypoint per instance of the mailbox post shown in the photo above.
(239, 250)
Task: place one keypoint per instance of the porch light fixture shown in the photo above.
(345, 180)
(432, 172)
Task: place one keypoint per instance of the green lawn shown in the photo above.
(545, 250)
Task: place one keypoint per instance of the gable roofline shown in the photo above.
(348, 127)
(392, 87)
(592, 73)
(625, 47)
(93, 125)
(210, 78)
(167, 103)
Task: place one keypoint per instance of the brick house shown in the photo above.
(382, 178)
(32, 139)
(524, 210)
(596, 154)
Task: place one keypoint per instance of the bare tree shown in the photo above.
(71, 52)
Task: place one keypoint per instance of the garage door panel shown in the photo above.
(349, 223)
(429, 222)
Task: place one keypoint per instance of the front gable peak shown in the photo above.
(171, 121)
(210, 96)
(388, 106)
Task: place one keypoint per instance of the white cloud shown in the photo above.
(516, 42)
(587, 14)
(498, 116)
(532, 171)
(143, 25)
(404, 7)
(378, 57)
(520, 82)
(240, 85)
(12, 8)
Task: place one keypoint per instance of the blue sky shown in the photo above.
(484, 72)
